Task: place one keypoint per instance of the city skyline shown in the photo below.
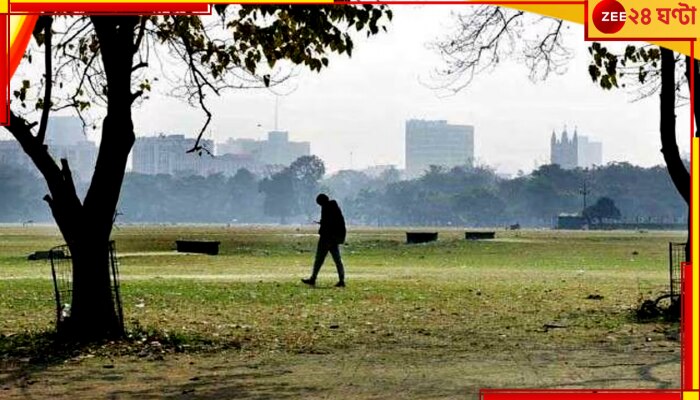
(356, 109)
(354, 112)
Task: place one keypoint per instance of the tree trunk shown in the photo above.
(93, 314)
(87, 231)
(669, 147)
(87, 226)
(692, 67)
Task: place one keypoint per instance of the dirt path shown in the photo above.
(356, 374)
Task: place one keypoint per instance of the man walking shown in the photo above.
(331, 235)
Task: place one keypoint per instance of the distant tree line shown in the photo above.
(455, 197)
(478, 197)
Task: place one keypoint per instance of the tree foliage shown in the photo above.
(603, 209)
(477, 197)
(453, 197)
(293, 190)
(307, 171)
(240, 47)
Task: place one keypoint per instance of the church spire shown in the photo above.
(564, 136)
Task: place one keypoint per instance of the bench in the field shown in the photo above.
(45, 255)
(478, 235)
(420, 237)
(197, 246)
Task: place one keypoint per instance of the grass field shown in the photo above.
(438, 320)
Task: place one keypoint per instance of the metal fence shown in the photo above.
(62, 272)
(676, 255)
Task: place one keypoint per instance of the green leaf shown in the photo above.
(594, 72)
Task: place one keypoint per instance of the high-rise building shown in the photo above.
(578, 151)
(276, 150)
(590, 154)
(168, 155)
(437, 143)
(64, 139)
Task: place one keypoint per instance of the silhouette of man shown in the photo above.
(331, 235)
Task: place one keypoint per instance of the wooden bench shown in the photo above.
(45, 255)
(478, 235)
(197, 246)
(421, 237)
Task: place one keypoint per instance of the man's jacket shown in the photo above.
(332, 223)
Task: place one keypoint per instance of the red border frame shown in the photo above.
(686, 327)
(573, 394)
(485, 394)
(110, 8)
(5, 71)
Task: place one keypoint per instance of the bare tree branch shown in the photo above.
(58, 181)
(138, 66)
(548, 55)
(142, 30)
(487, 33)
(77, 33)
(195, 73)
(41, 135)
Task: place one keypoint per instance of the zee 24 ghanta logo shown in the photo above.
(609, 16)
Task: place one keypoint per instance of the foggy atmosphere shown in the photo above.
(362, 141)
(358, 201)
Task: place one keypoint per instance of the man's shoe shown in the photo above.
(340, 284)
(310, 282)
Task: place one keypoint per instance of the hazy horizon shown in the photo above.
(354, 112)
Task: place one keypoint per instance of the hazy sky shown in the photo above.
(354, 112)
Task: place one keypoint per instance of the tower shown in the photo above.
(564, 152)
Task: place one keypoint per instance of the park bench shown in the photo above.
(478, 235)
(45, 255)
(197, 246)
(420, 237)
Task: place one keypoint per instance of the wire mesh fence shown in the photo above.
(62, 272)
(676, 255)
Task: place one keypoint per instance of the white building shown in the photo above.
(168, 155)
(589, 153)
(437, 143)
(276, 150)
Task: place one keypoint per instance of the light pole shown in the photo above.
(585, 192)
